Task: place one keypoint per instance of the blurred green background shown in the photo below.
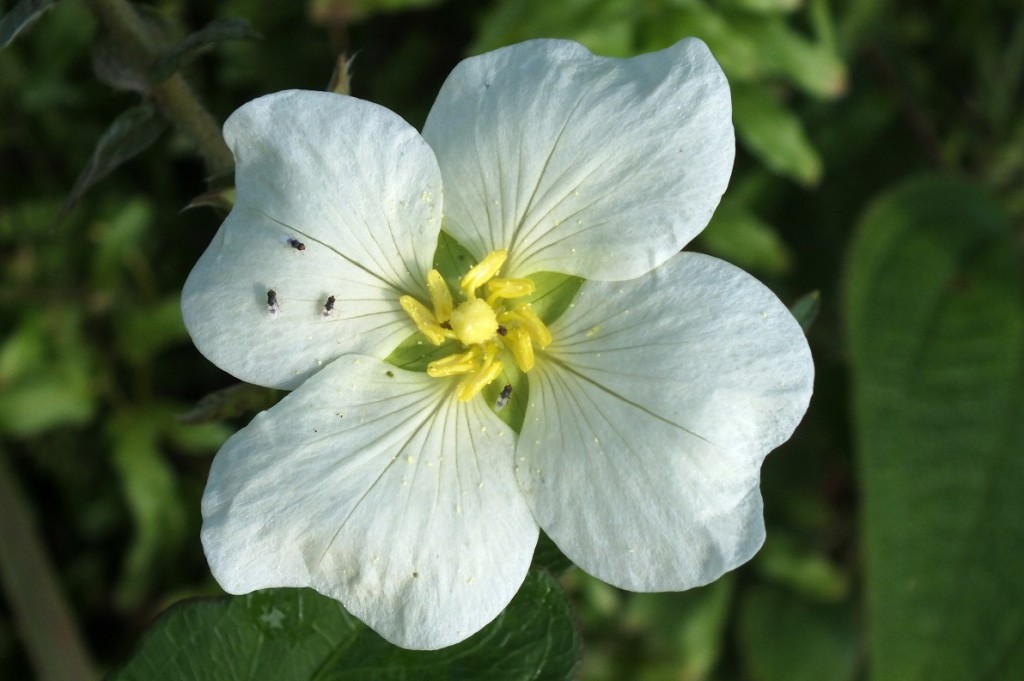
(879, 187)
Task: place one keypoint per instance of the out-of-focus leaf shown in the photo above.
(230, 403)
(737, 235)
(806, 309)
(606, 27)
(150, 486)
(203, 40)
(118, 66)
(299, 635)
(784, 638)
(145, 330)
(936, 323)
(808, 573)
(20, 17)
(685, 630)
(332, 12)
(221, 199)
(774, 134)
(129, 135)
(200, 438)
(752, 47)
(47, 374)
(49, 399)
(120, 242)
(813, 66)
(763, 6)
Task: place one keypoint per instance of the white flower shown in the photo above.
(659, 392)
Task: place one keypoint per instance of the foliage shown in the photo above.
(878, 191)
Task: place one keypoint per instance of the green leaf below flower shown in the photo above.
(299, 635)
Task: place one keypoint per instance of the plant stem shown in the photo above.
(175, 98)
(41, 615)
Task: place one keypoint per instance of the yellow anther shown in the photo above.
(499, 287)
(474, 321)
(453, 365)
(518, 342)
(482, 272)
(529, 320)
(485, 326)
(424, 320)
(440, 296)
(473, 383)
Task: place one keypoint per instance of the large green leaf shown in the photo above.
(299, 635)
(936, 321)
(784, 638)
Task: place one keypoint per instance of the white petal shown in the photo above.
(650, 415)
(601, 168)
(375, 486)
(361, 191)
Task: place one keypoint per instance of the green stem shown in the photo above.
(175, 98)
(42, 616)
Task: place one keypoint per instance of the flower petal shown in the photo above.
(650, 415)
(601, 168)
(374, 486)
(336, 197)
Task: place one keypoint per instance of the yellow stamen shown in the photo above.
(453, 365)
(481, 272)
(518, 342)
(489, 370)
(525, 315)
(500, 287)
(485, 326)
(424, 320)
(440, 296)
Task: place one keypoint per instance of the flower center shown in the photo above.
(488, 323)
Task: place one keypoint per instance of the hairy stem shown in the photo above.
(175, 98)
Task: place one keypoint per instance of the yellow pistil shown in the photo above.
(485, 326)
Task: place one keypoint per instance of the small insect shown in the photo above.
(272, 307)
(506, 393)
(446, 325)
(328, 306)
(296, 244)
(502, 331)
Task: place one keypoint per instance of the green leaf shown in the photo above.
(936, 323)
(547, 556)
(684, 631)
(350, 11)
(606, 27)
(150, 487)
(231, 402)
(147, 329)
(299, 635)
(806, 309)
(129, 135)
(737, 235)
(786, 639)
(808, 573)
(203, 40)
(21, 16)
(774, 134)
(763, 6)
